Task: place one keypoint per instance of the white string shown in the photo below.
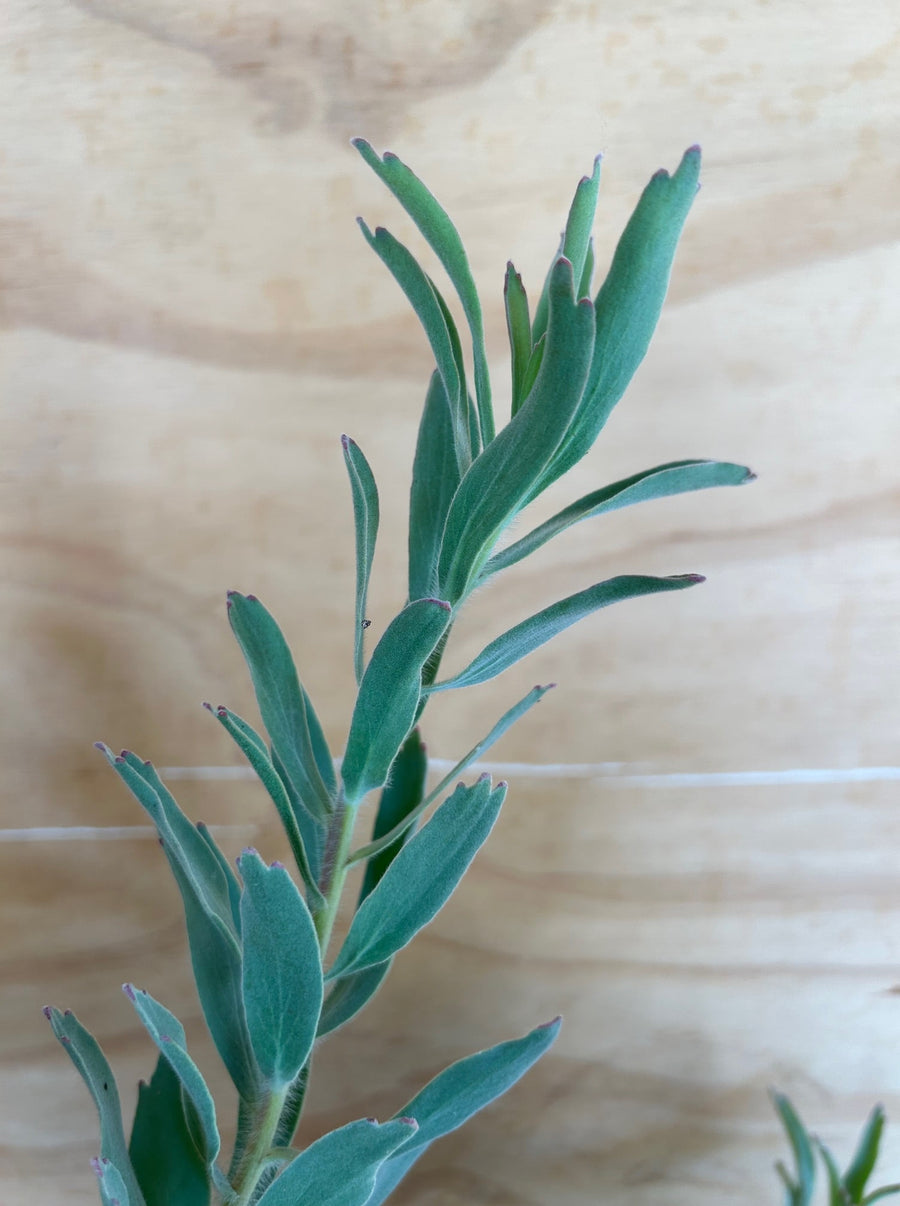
(611, 774)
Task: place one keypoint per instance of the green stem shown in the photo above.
(260, 1143)
(333, 888)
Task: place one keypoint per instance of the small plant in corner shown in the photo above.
(270, 985)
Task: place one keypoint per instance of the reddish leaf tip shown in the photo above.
(409, 1122)
(553, 1022)
(129, 991)
(252, 599)
(67, 1013)
(276, 864)
(47, 1011)
(101, 746)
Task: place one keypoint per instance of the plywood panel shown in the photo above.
(190, 320)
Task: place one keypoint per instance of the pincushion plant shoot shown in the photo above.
(270, 985)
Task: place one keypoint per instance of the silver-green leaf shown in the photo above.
(340, 1168)
(365, 519)
(389, 695)
(282, 979)
(85, 1053)
(284, 705)
(664, 481)
(524, 638)
(168, 1035)
(421, 879)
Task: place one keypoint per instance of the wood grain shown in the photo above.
(188, 321)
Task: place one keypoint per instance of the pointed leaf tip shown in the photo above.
(47, 1011)
(129, 991)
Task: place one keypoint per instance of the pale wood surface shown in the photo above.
(189, 321)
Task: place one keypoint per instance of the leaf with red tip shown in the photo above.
(340, 1168)
(168, 1035)
(85, 1053)
(524, 638)
(457, 1094)
(284, 705)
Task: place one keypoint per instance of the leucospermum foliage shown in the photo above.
(269, 983)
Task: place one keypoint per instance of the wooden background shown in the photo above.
(189, 321)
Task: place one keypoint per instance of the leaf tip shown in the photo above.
(130, 992)
(411, 1122)
(277, 865)
(47, 1011)
(554, 1023)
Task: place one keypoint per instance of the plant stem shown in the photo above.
(262, 1140)
(333, 888)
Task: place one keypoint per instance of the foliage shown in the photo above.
(268, 983)
(844, 1189)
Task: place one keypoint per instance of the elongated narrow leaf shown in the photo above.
(180, 838)
(365, 519)
(886, 1191)
(211, 924)
(389, 695)
(443, 238)
(435, 478)
(282, 970)
(404, 792)
(421, 879)
(524, 638)
(629, 303)
(168, 1166)
(801, 1187)
(234, 888)
(347, 996)
(493, 490)
(168, 1035)
(678, 477)
(576, 239)
(216, 963)
(837, 1195)
(84, 1052)
(518, 325)
(865, 1157)
(113, 1186)
(286, 710)
(304, 834)
(339, 1169)
(385, 843)
(466, 1087)
(422, 294)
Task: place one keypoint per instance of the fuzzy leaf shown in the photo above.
(365, 519)
(587, 274)
(233, 887)
(629, 303)
(421, 879)
(435, 478)
(168, 1035)
(403, 793)
(866, 1155)
(113, 1188)
(210, 920)
(518, 325)
(304, 834)
(443, 238)
(339, 1169)
(166, 1163)
(216, 963)
(576, 240)
(384, 843)
(199, 864)
(467, 1086)
(85, 1053)
(282, 980)
(347, 996)
(498, 482)
(524, 638)
(389, 695)
(678, 477)
(285, 707)
(422, 294)
(459, 1092)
